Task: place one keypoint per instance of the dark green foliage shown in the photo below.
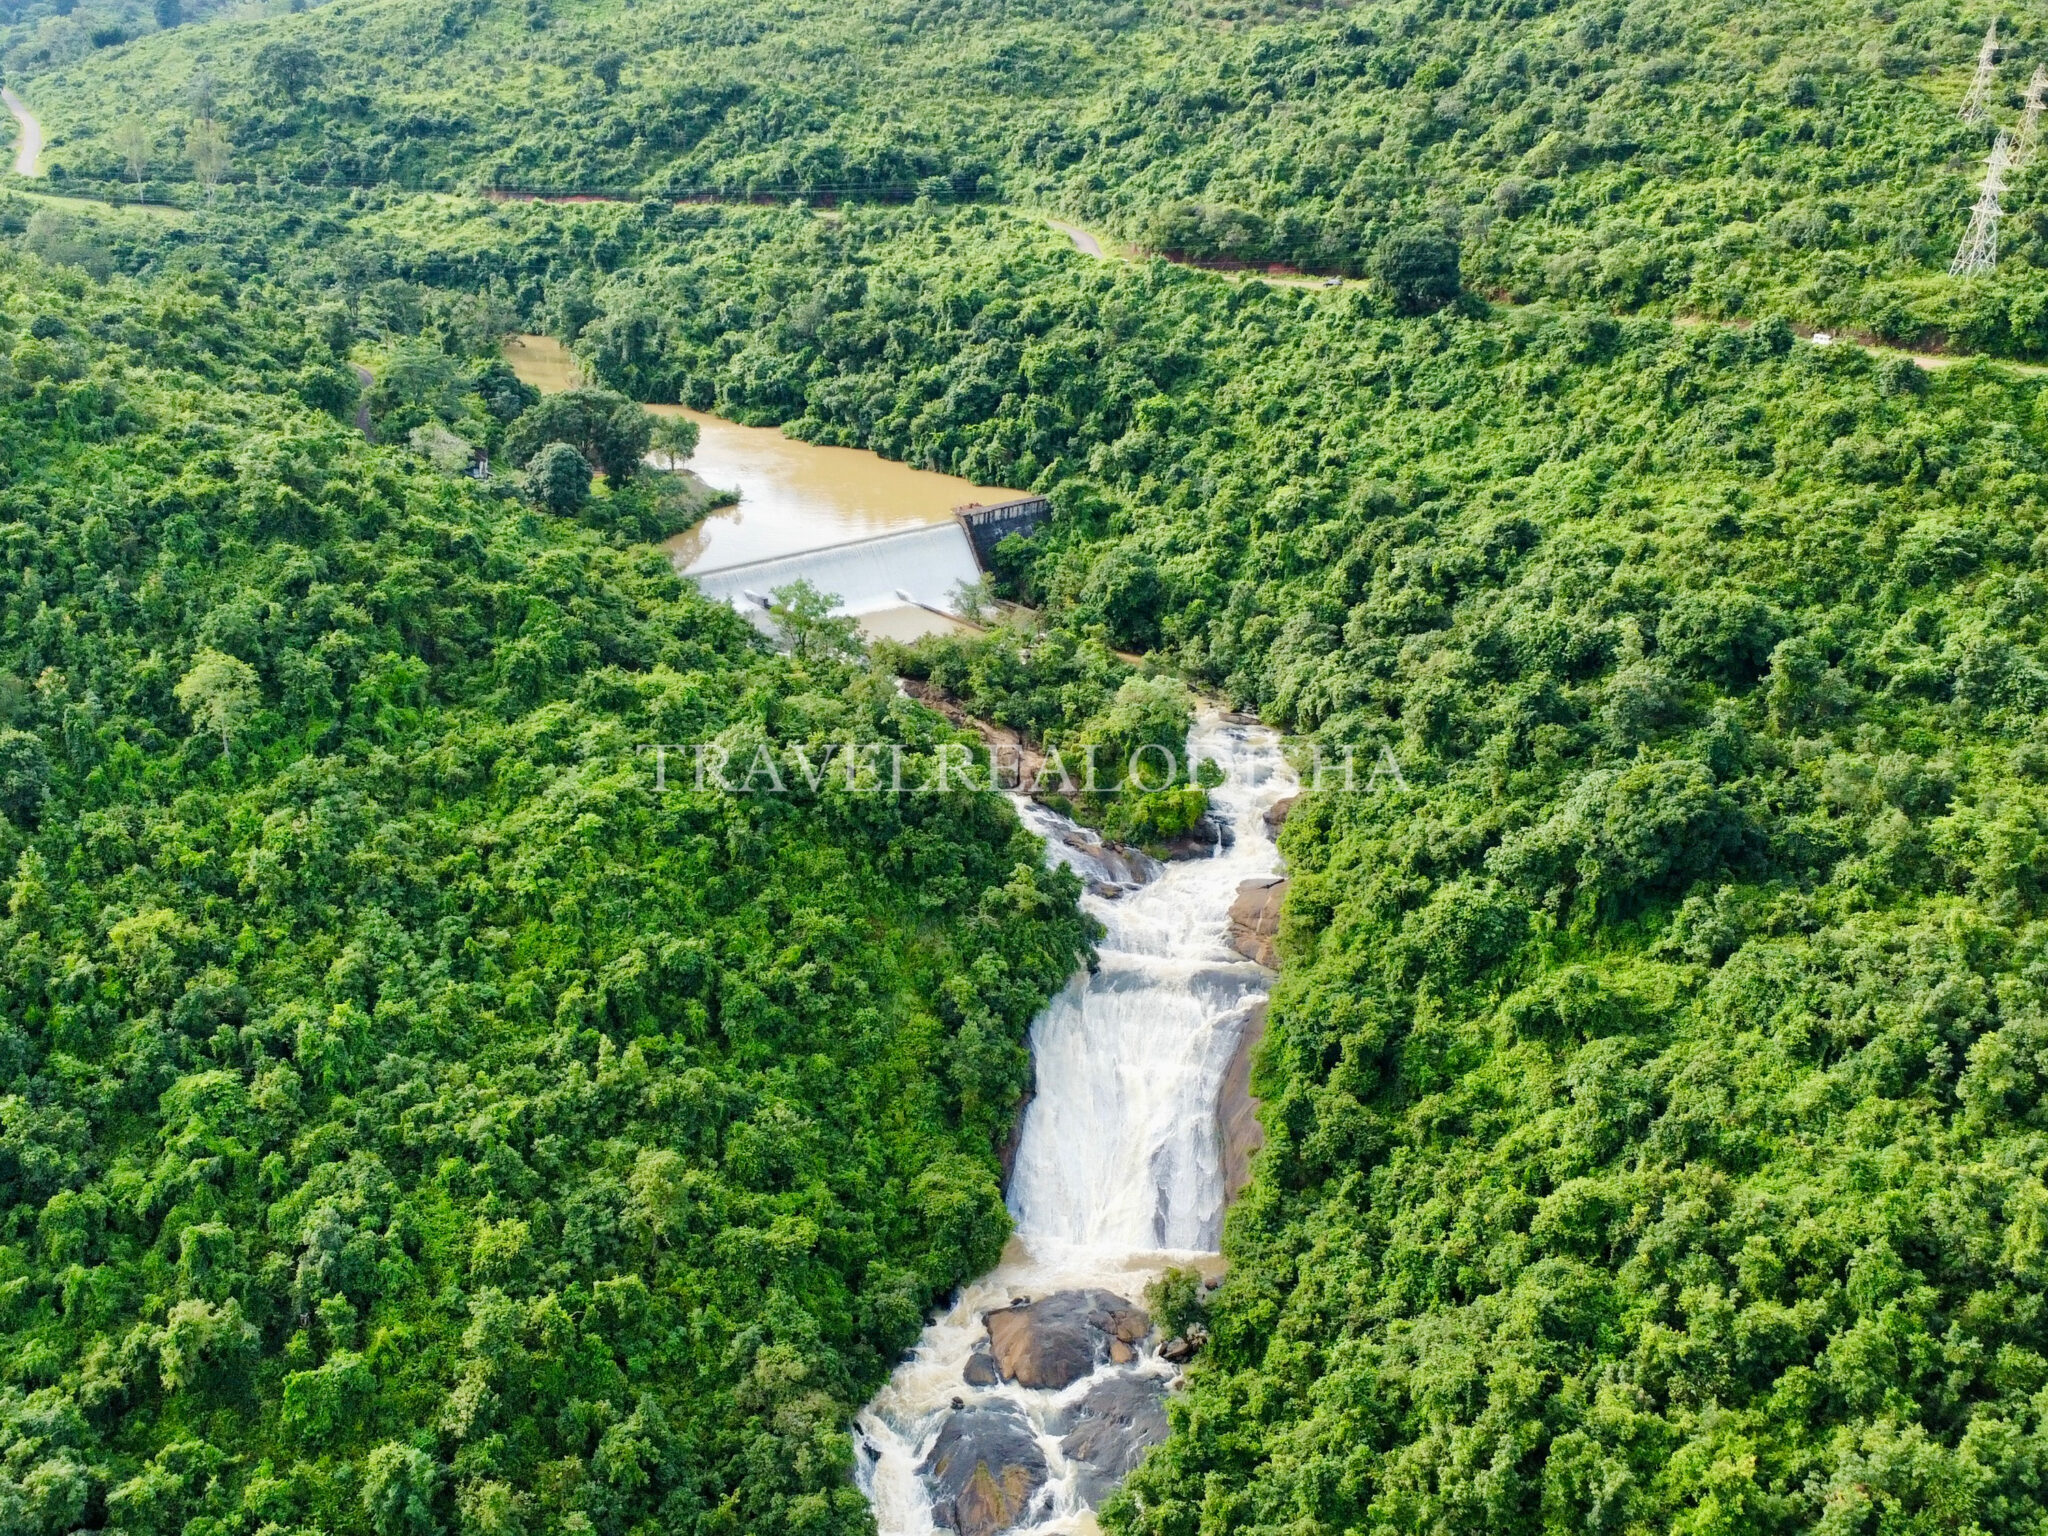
(330, 387)
(410, 1120)
(1176, 1302)
(287, 67)
(502, 392)
(24, 775)
(610, 432)
(1419, 267)
(558, 478)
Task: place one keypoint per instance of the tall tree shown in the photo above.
(674, 438)
(206, 146)
(287, 68)
(218, 695)
(136, 144)
(611, 432)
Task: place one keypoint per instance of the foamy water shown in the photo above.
(1119, 1163)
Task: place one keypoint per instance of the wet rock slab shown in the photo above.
(1255, 919)
(1237, 1112)
(981, 1370)
(983, 1470)
(1054, 1342)
(1110, 1429)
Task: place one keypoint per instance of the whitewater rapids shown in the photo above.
(1119, 1167)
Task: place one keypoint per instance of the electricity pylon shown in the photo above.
(1979, 251)
(2030, 120)
(1987, 69)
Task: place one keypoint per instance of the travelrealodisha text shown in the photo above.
(899, 768)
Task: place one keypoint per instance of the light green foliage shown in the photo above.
(218, 694)
(441, 448)
(674, 438)
(805, 623)
(1091, 716)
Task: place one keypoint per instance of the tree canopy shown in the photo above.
(412, 1120)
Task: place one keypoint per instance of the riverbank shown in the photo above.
(791, 496)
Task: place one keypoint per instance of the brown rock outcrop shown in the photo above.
(1237, 1112)
(1055, 1342)
(983, 1470)
(1109, 1430)
(1255, 919)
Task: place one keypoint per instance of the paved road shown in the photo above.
(1084, 242)
(31, 147)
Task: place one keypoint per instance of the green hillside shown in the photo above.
(1804, 159)
(1654, 1092)
(408, 1118)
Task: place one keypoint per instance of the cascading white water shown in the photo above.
(1119, 1164)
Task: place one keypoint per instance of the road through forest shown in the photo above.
(28, 155)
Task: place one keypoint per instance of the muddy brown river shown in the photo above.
(793, 496)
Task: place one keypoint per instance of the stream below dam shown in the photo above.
(1028, 1399)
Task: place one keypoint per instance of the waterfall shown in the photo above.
(1118, 1170)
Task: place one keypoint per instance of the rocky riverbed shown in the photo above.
(988, 1464)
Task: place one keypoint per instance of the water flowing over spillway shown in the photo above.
(1118, 1173)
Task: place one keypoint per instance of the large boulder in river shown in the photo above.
(1053, 1343)
(1255, 919)
(1110, 1429)
(980, 1370)
(983, 1470)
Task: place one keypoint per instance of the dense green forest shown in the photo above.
(41, 34)
(409, 1120)
(1655, 1124)
(417, 1125)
